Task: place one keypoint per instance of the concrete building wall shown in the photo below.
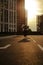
(20, 14)
(8, 16)
(12, 15)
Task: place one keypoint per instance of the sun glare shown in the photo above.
(31, 7)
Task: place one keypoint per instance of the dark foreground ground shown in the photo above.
(21, 51)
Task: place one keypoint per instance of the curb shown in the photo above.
(8, 36)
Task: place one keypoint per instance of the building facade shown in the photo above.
(8, 15)
(12, 15)
(40, 23)
(20, 14)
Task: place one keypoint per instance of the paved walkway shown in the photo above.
(3, 37)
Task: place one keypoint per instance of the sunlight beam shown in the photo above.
(31, 7)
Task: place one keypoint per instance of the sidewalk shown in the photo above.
(3, 37)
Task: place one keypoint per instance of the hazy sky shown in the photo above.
(40, 5)
(33, 25)
(32, 22)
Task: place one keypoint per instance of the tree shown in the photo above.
(26, 30)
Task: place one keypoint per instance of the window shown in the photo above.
(9, 30)
(14, 30)
(6, 27)
(11, 26)
(5, 15)
(1, 27)
(14, 17)
(11, 4)
(5, 3)
(14, 26)
(10, 17)
(1, 1)
(1, 15)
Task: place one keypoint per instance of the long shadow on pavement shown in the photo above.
(24, 40)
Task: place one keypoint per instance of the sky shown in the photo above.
(33, 8)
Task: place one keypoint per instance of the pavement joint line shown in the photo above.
(6, 46)
(37, 44)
